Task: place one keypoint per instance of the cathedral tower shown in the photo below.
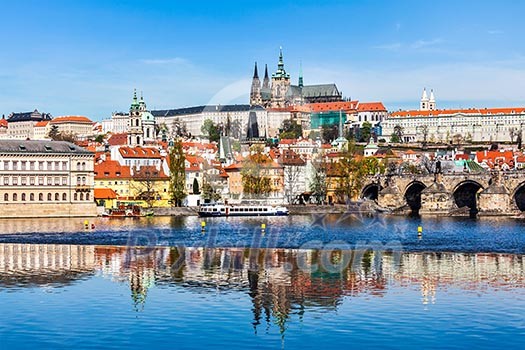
(432, 101)
(280, 84)
(255, 93)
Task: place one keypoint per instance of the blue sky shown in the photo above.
(86, 57)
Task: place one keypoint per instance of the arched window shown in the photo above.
(49, 197)
(138, 140)
(6, 197)
(32, 197)
(57, 197)
(64, 197)
(87, 196)
(78, 165)
(81, 196)
(41, 197)
(15, 197)
(83, 166)
(23, 197)
(75, 196)
(78, 180)
(83, 180)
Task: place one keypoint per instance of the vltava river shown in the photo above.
(302, 283)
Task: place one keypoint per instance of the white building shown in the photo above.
(444, 126)
(193, 117)
(21, 125)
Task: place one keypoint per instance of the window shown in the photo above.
(23, 197)
(64, 165)
(78, 180)
(32, 197)
(81, 196)
(15, 197)
(6, 180)
(83, 180)
(49, 180)
(41, 180)
(57, 197)
(50, 165)
(83, 166)
(75, 196)
(87, 196)
(57, 165)
(49, 197)
(15, 165)
(32, 180)
(40, 165)
(64, 180)
(31, 165)
(78, 165)
(57, 181)
(6, 165)
(23, 165)
(23, 180)
(64, 197)
(15, 180)
(6, 197)
(41, 197)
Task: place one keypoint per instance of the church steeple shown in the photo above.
(266, 81)
(301, 83)
(255, 92)
(134, 103)
(423, 105)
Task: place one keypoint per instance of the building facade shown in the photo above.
(45, 179)
(21, 125)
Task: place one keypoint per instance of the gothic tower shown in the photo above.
(280, 84)
(255, 93)
(266, 92)
(135, 132)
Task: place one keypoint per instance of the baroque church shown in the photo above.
(141, 123)
(280, 93)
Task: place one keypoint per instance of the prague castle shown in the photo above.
(280, 93)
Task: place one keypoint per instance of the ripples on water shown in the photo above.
(348, 231)
(79, 296)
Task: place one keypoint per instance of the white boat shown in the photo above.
(206, 210)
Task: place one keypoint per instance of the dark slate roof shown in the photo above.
(28, 116)
(320, 90)
(200, 109)
(33, 146)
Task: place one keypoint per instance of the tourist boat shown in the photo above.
(207, 210)
(123, 211)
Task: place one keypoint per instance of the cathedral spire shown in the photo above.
(255, 73)
(266, 81)
(135, 102)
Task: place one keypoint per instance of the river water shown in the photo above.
(304, 282)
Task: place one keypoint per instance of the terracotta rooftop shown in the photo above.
(105, 193)
(111, 169)
(139, 152)
(371, 107)
(72, 119)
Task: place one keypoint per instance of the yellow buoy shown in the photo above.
(419, 231)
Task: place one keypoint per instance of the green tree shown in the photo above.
(53, 133)
(291, 130)
(329, 133)
(196, 186)
(366, 130)
(318, 181)
(100, 138)
(397, 135)
(177, 174)
(211, 130)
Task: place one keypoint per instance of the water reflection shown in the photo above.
(278, 282)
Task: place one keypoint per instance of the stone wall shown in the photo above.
(47, 210)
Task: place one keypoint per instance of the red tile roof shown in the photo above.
(42, 123)
(371, 107)
(139, 152)
(77, 119)
(118, 139)
(109, 170)
(333, 106)
(475, 111)
(149, 172)
(105, 193)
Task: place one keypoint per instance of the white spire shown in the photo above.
(432, 99)
(424, 97)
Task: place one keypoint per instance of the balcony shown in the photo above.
(82, 188)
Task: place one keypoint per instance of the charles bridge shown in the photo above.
(487, 193)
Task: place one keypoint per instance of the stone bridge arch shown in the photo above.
(412, 195)
(465, 194)
(371, 191)
(518, 196)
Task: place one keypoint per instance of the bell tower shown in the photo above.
(280, 84)
(135, 132)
